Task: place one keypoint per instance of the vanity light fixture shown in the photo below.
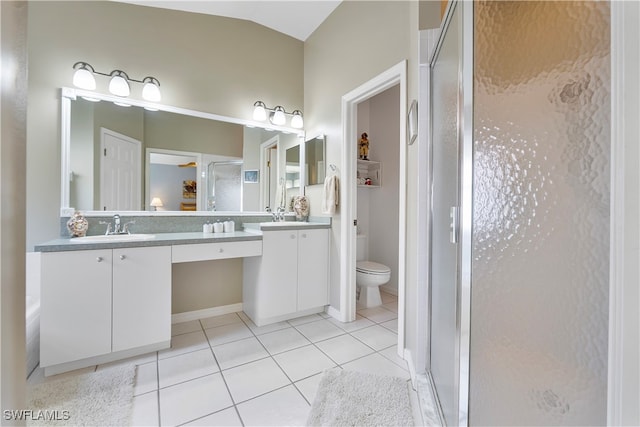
(151, 89)
(83, 77)
(277, 115)
(296, 119)
(119, 83)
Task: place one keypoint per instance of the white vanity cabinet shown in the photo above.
(141, 297)
(313, 268)
(290, 278)
(75, 306)
(96, 302)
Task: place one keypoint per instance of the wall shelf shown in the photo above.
(369, 169)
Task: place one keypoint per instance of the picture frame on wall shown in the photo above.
(251, 176)
(412, 122)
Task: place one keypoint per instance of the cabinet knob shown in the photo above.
(99, 259)
(122, 256)
(220, 250)
(293, 236)
(304, 235)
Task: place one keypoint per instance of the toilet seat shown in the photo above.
(370, 267)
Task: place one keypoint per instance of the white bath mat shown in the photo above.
(348, 398)
(102, 398)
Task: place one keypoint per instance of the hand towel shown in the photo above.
(330, 195)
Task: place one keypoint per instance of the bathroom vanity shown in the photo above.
(104, 300)
(290, 279)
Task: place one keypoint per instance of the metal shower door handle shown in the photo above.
(453, 226)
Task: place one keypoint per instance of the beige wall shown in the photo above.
(13, 18)
(357, 42)
(177, 132)
(206, 284)
(384, 131)
(206, 63)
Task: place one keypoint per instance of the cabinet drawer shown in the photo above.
(209, 251)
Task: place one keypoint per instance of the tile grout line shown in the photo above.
(276, 362)
(158, 387)
(270, 355)
(235, 407)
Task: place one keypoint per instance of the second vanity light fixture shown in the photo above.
(277, 115)
(119, 83)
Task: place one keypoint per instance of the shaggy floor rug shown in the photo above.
(102, 398)
(347, 398)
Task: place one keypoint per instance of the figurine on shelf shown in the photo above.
(364, 146)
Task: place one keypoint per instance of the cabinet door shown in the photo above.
(75, 309)
(313, 268)
(141, 296)
(277, 293)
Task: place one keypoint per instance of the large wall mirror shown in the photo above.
(314, 160)
(122, 157)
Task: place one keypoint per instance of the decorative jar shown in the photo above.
(77, 225)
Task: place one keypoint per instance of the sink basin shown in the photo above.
(113, 238)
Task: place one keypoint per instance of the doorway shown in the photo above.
(396, 75)
(120, 163)
(269, 162)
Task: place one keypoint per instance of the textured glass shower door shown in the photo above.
(539, 301)
(446, 86)
(224, 186)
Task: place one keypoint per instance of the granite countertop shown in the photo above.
(158, 239)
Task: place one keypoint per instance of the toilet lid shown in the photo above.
(371, 267)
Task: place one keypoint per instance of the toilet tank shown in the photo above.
(362, 248)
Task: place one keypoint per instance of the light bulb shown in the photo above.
(151, 89)
(118, 84)
(259, 112)
(278, 117)
(83, 77)
(297, 121)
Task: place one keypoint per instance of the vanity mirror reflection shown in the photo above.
(314, 160)
(120, 158)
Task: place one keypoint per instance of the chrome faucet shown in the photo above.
(278, 215)
(116, 226)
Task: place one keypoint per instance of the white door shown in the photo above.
(269, 173)
(120, 172)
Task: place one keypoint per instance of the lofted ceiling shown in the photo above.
(296, 18)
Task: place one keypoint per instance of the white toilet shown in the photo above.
(369, 275)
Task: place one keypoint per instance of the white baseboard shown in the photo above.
(334, 313)
(389, 289)
(207, 312)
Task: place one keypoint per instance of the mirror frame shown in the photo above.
(69, 94)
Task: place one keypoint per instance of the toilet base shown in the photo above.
(369, 296)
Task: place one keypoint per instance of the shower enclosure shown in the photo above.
(520, 213)
(224, 186)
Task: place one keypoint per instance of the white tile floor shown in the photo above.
(227, 371)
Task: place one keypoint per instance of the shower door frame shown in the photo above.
(465, 159)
